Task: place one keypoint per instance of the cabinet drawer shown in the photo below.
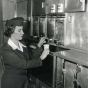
(43, 85)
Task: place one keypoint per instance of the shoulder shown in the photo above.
(7, 52)
(4, 48)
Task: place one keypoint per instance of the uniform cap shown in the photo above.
(18, 21)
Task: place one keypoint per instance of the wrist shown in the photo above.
(39, 45)
(41, 57)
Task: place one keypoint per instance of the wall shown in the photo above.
(8, 11)
(22, 8)
(14, 8)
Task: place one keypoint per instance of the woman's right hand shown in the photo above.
(44, 54)
(41, 42)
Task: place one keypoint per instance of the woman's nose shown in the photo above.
(22, 32)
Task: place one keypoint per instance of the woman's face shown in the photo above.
(18, 33)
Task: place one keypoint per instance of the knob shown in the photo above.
(55, 41)
(46, 40)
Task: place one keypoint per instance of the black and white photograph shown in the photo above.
(43, 43)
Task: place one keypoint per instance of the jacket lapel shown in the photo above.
(25, 51)
(22, 55)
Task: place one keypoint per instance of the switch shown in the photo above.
(78, 69)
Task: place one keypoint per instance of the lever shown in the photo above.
(76, 85)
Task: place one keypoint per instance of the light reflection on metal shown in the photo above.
(43, 4)
(60, 7)
(81, 40)
(73, 38)
(63, 53)
(74, 5)
(67, 41)
(15, 12)
(53, 8)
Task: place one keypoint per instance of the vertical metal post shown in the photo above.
(31, 16)
(38, 25)
(63, 73)
(1, 25)
(65, 26)
(46, 19)
(54, 71)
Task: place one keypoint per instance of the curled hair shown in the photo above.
(9, 30)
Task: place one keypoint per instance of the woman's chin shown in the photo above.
(20, 38)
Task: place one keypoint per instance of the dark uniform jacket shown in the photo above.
(16, 65)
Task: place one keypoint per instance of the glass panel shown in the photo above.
(42, 26)
(35, 26)
(59, 29)
(50, 28)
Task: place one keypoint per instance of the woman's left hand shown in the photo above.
(44, 54)
(41, 42)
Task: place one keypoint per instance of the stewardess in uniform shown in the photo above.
(17, 59)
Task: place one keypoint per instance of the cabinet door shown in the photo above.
(70, 69)
(38, 7)
(59, 75)
(83, 78)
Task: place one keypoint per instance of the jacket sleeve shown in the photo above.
(36, 53)
(14, 60)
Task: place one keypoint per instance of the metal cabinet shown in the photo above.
(38, 7)
(42, 7)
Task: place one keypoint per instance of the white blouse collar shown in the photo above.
(14, 47)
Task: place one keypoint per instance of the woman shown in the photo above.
(16, 57)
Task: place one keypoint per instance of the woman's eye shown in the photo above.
(19, 30)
